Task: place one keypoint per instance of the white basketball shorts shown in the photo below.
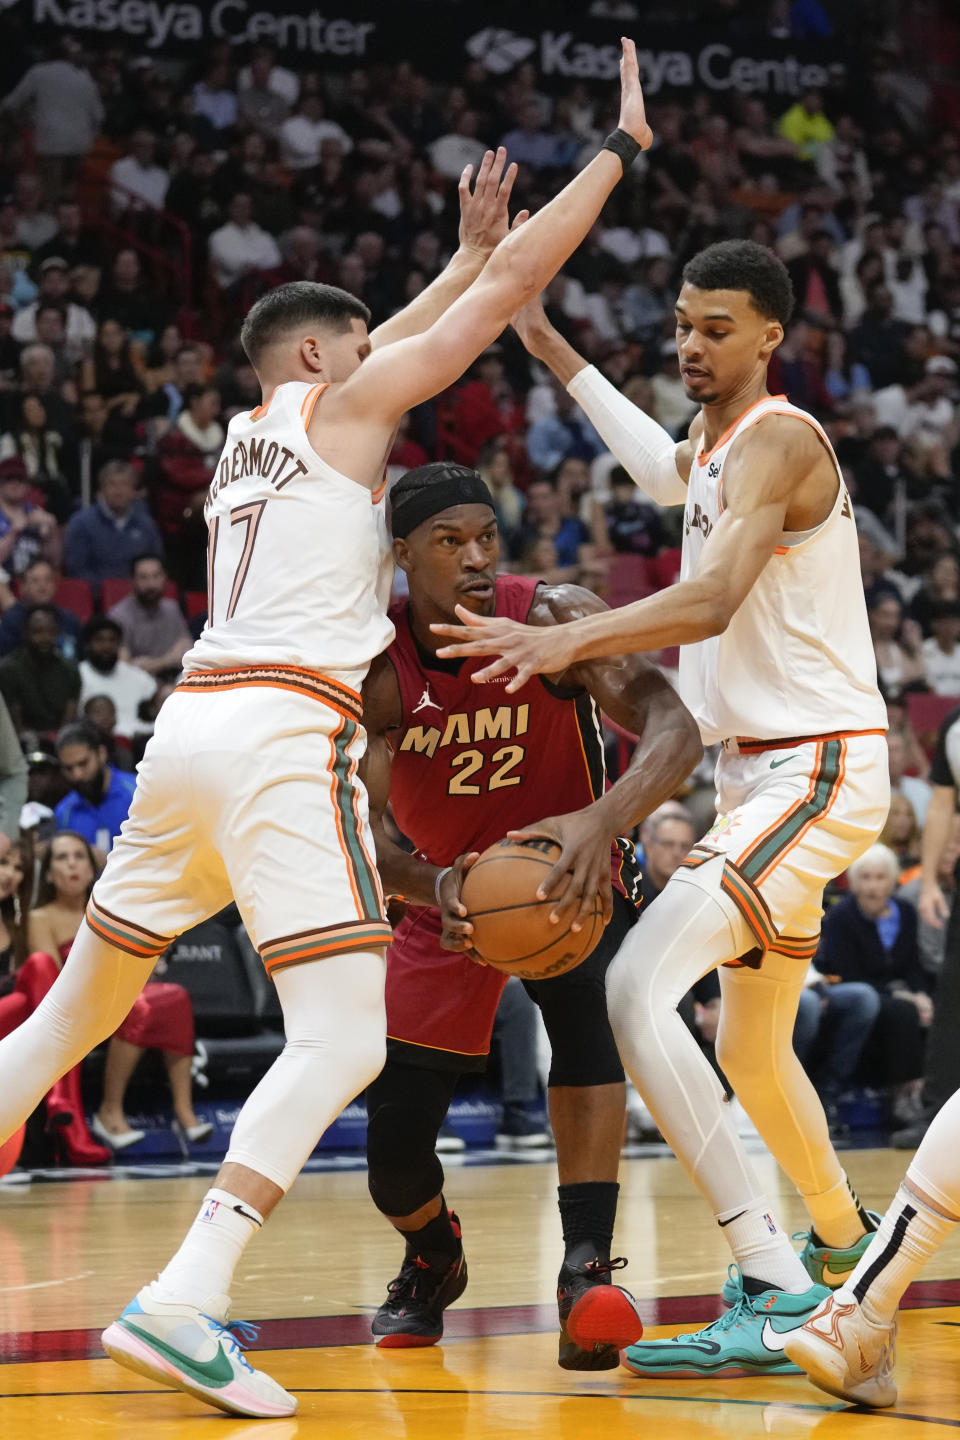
(248, 790)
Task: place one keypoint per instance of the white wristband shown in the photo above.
(436, 887)
(645, 450)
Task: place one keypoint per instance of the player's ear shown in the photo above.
(310, 353)
(773, 336)
(401, 555)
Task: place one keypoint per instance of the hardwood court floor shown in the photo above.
(72, 1254)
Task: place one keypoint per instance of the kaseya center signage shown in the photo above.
(435, 34)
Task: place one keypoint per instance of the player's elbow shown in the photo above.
(514, 271)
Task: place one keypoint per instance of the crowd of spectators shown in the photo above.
(146, 202)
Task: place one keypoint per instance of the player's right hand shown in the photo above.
(933, 906)
(633, 116)
(457, 931)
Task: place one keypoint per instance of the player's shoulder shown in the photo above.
(382, 701)
(789, 440)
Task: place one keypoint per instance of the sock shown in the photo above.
(437, 1242)
(588, 1211)
(909, 1234)
(839, 1219)
(203, 1266)
(762, 1250)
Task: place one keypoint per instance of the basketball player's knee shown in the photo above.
(403, 1171)
(582, 1048)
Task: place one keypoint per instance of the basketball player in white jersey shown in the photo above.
(778, 666)
(249, 785)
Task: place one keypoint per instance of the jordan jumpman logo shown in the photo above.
(426, 702)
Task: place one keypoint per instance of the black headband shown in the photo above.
(451, 485)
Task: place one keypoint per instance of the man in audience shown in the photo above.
(97, 804)
(102, 672)
(101, 542)
(155, 634)
(41, 689)
(38, 586)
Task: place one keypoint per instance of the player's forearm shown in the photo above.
(402, 873)
(936, 832)
(431, 303)
(645, 450)
(679, 615)
(545, 343)
(527, 258)
(668, 749)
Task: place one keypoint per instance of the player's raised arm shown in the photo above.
(634, 694)
(484, 221)
(413, 370)
(647, 452)
(761, 477)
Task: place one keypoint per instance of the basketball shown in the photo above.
(10, 1151)
(511, 927)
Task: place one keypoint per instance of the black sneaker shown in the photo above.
(597, 1319)
(412, 1314)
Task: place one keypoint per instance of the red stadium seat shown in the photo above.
(75, 596)
(926, 714)
(195, 601)
(666, 567)
(629, 577)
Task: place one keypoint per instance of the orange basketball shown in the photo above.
(10, 1151)
(511, 927)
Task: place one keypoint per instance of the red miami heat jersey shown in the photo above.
(471, 762)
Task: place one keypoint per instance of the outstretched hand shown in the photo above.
(527, 649)
(633, 115)
(484, 214)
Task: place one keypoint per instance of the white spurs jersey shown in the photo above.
(797, 657)
(299, 567)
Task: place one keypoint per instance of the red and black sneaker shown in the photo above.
(412, 1313)
(597, 1318)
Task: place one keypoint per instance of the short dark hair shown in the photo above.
(79, 732)
(744, 265)
(147, 555)
(49, 610)
(300, 302)
(98, 623)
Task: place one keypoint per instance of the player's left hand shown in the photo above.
(582, 869)
(484, 216)
(528, 649)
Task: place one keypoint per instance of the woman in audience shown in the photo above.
(901, 834)
(871, 936)
(899, 661)
(110, 370)
(24, 980)
(161, 1017)
(941, 582)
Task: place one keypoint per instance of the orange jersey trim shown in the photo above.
(702, 459)
(310, 402)
(747, 745)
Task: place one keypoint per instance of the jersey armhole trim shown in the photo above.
(310, 402)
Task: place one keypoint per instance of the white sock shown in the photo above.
(909, 1234)
(837, 1215)
(203, 1267)
(762, 1249)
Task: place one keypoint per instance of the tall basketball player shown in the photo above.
(249, 786)
(777, 665)
(461, 765)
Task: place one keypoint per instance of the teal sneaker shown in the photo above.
(747, 1339)
(825, 1265)
(831, 1267)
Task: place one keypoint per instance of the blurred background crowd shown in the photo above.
(146, 202)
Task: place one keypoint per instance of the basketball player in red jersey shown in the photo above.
(461, 765)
